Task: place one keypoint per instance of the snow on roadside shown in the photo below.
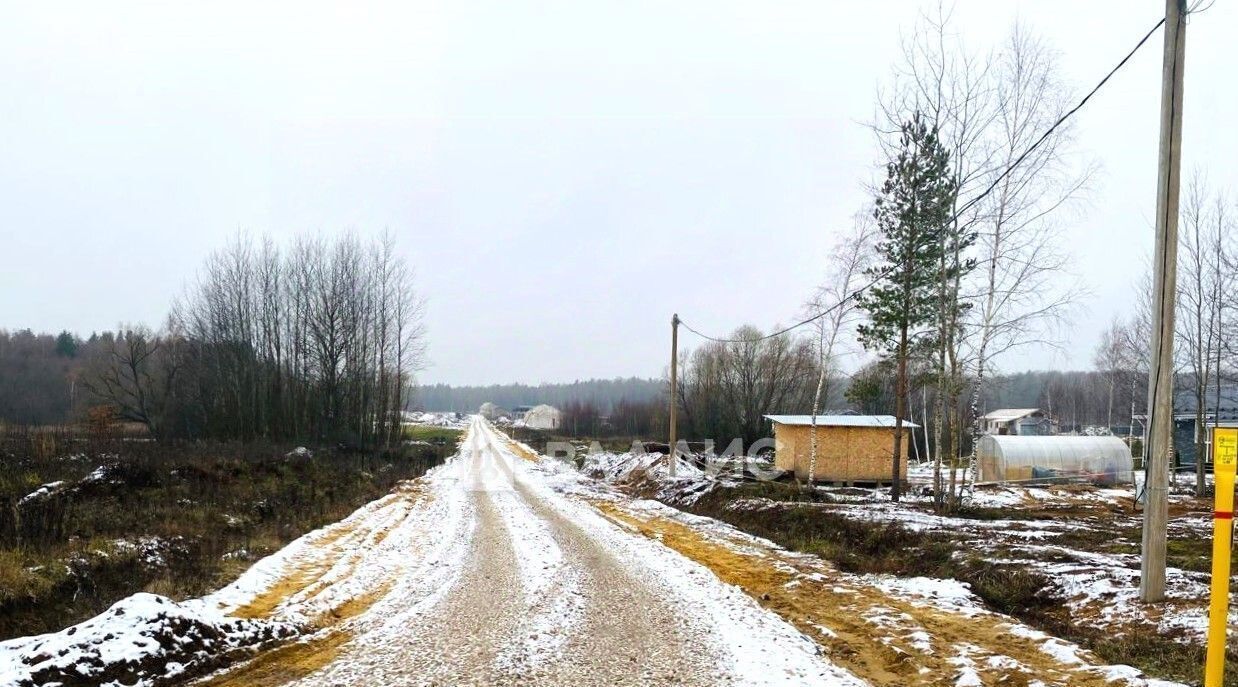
(946, 595)
(260, 576)
(949, 595)
(145, 637)
(689, 484)
(138, 639)
(381, 541)
(1100, 588)
(425, 569)
(447, 420)
(616, 467)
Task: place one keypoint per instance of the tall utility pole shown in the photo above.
(670, 446)
(1164, 286)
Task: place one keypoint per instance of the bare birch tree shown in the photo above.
(990, 108)
(318, 342)
(848, 261)
(1203, 249)
(1108, 360)
(1027, 290)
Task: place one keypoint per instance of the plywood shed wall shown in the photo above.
(1101, 460)
(844, 454)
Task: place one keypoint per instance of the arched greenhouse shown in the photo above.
(1100, 460)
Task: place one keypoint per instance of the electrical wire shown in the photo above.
(967, 206)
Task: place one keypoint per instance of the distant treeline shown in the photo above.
(39, 375)
(1076, 398)
(42, 381)
(603, 394)
(314, 342)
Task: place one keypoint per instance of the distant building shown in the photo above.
(491, 411)
(543, 417)
(1018, 422)
(1224, 413)
(850, 448)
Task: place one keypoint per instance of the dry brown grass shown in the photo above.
(283, 664)
(211, 509)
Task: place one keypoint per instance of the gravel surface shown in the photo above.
(630, 634)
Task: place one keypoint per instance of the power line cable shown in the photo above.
(1048, 132)
(967, 206)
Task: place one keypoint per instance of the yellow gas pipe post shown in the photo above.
(1224, 465)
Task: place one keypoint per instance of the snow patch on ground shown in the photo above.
(948, 595)
(138, 639)
(42, 492)
(1085, 582)
(437, 419)
(618, 467)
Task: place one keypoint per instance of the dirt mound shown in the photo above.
(141, 640)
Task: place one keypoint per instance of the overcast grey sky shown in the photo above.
(542, 164)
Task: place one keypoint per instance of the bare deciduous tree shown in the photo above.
(318, 342)
(135, 375)
(990, 109)
(848, 261)
(1027, 290)
(1108, 359)
(1203, 282)
(726, 388)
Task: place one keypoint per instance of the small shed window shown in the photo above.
(1101, 460)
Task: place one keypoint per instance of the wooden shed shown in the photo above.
(850, 448)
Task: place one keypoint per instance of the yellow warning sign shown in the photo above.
(1224, 461)
(1225, 449)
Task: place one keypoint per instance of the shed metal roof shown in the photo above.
(840, 420)
(1004, 414)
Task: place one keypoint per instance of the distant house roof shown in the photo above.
(1185, 403)
(839, 420)
(1008, 414)
(1209, 417)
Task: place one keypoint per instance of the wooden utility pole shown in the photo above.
(670, 445)
(1164, 287)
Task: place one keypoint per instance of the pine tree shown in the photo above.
(913, 212)
(66, 345)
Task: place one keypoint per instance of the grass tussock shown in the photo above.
(436, 436)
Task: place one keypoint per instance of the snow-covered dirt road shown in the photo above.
(484, 574)
(505, 567)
